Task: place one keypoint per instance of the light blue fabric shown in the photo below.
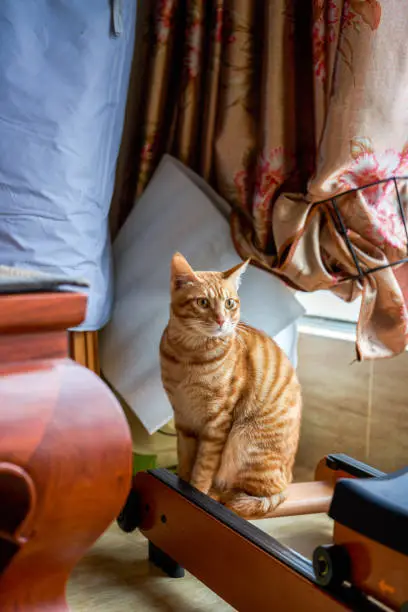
(63, 85)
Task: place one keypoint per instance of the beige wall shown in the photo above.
(356, 408)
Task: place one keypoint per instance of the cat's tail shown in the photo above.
(252, 508)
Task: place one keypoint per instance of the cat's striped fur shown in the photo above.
(235, 395)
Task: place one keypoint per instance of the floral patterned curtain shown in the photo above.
(282, 105)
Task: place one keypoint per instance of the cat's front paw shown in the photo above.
(201, 486)
(214, 494)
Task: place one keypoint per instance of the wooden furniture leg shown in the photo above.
(84, 349)
(65, 452)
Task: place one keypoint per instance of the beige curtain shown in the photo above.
(281, 105)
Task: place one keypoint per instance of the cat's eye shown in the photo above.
(230, 304)
(203, 302)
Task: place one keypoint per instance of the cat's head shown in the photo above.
(205, 303)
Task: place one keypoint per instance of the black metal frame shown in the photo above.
(335, 210)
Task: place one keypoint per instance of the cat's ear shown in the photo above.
(235, 273)
(181, 272)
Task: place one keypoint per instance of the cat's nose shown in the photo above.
(220, 320)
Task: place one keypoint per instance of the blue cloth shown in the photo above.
(64, 75)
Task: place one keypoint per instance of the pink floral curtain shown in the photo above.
(281, 106)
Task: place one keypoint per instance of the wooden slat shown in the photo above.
(78, 348)
(305, 498)
(21, 313)
(84, 349)
(92, 351)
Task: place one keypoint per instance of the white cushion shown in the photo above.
(177, 212)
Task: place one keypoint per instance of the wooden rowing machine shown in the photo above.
(366, 568)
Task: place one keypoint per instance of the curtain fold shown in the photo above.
(281, 106)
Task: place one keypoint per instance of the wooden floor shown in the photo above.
(115, 576)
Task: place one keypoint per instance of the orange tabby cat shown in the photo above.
(235, 395)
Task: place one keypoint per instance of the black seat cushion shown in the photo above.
(375, 507)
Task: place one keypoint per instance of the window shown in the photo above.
(326, 305)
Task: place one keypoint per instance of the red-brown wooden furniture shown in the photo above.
(65, 449)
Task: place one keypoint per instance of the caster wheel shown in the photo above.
(130, 516)
(331, 565)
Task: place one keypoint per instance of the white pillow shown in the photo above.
(177, 212)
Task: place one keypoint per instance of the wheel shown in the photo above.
(331, 565)
(130, 516)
